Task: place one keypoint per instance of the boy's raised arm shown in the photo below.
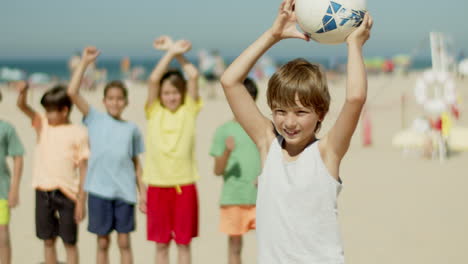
(22, 87)
(192, 73)
(163, 43)
(89, 56)
(339, 137)
(241, 103)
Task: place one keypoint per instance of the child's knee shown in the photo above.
(124, 243)
(48, 243)
(103, 243)
(4, 239)
(183, 247)
(162, 248)
(235, 244)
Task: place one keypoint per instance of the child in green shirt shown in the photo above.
(10, 146)
(237, 159)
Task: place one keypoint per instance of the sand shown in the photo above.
(394, 208)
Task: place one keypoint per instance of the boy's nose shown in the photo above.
(290, 121)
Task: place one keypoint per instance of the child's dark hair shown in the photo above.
(56, 99)
(251, 88)
(176, 78)
(116, 84)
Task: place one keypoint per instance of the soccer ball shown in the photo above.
(329, 21)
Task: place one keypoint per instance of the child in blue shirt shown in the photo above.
(114, 168)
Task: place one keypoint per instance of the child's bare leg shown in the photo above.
(103, 243)
(162, 253)
(235, 249)
(72, 253)
(126, 256)
(5, 248)
(184, 254)
(50, 253)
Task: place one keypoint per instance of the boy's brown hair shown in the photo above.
(306, 80)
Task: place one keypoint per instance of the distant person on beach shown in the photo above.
(10, 146)
(238, 161)
(170, 169)
(125, 68)
(114, 169)
(73, 62)
(212, 66)
(59, 171)
(297, 191)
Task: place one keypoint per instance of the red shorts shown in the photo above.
(172, 214)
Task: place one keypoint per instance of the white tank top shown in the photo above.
(297, 221)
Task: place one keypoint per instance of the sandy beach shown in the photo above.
(394, 209)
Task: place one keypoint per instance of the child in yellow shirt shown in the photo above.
(170, 168)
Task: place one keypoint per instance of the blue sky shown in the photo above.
(56, 28)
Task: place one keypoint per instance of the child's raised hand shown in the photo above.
(362, 33)
(21, 86)
(163, 43)
(285, 23)
(90, 54)
(230, 143)
(180, 47)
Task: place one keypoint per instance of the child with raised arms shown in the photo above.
(170, 169)
(60, 162)
(113, 169)
(297, 191)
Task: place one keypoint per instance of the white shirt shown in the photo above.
(297, 221)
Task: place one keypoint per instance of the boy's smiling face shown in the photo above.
(296, 124)
(115, 102)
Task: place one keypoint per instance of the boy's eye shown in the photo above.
(279, 111)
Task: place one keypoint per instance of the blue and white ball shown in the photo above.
(329, 21)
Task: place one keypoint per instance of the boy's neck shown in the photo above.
(294, 150)
(65, 122)
(118, 118)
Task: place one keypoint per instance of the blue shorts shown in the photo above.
(107, 215)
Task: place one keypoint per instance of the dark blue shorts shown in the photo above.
(107, 215)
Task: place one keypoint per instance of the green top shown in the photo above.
(10, 145)
(243, 166)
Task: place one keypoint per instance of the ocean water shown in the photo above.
(58, 68)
